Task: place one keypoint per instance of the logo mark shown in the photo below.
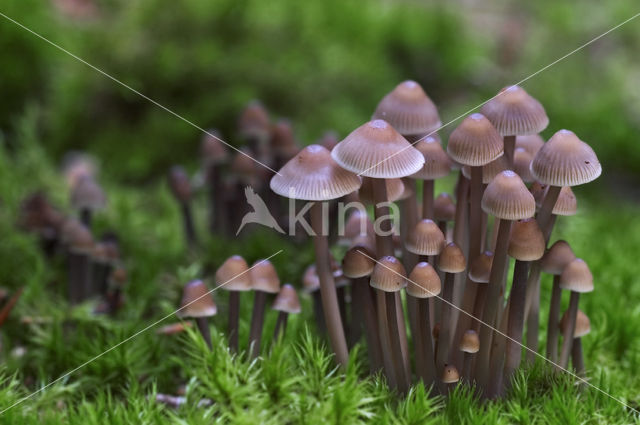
(260, 214)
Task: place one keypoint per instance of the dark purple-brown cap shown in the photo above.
(424, 281)
(87, 194)
(437, 163)
(197, 301)
(530, 142)
(264, 277)
(425, 239)
(507, 198)
(565, 160)
(451, 259)
(444, 209)
(212, 149)
(475, 142)
(577, 277)
(389, 275)
(557, 257)
(395, 189)
(287, 300)
(583, 325)
(513, 112)
(527, 241)
(409, 110)
(470, 342)
(312, 175)
(358, 262)
(480, 269)
(376, 149)
(179, 183)
(233, 275)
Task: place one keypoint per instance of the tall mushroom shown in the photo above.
(234, 276)
(198, 304)
(444, 211)
(181, 189)
(311, 285)
(286, 303)
(312, 175)
(87, 197)
(214, 155)
(264, 280)
(583, 327)
(79, 243)
(436, 165)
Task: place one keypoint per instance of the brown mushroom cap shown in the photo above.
(365, 241)
(375, 149)
(197, 301)
(395, 189)
(583, 325)
(310, 279)
(565, 160)
(244, 168)
(312, 175)
(451, 259)
(179, 183)
(437, 163)
(87, 194)
(358, 223)
(254, 120)
(577, 277)
(287, 300)
(522, 164)
(282, 138)
(358, 262)
(527, 241)
(212, 150)
(444, 209)
(450, 375)
(513, 112)
(424, 281)
(470, 342)
(77, 237)
(557, 257)
(388, 275)
(408, 109)
(567, 203)
(426, 238)
(264, 277)
(530, 142)
(507, 198)
(475, 142)
(480, 269)
(234, 275)
(489, 171)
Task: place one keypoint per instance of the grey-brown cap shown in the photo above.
(475, 142)
(87, 194)
(425, 239)
(451, 259)
(310, 279)
(358, 223)
(577, 277)
(254, 120)
(450, 374)
(470, 342)
(376, 149)
(480, 268)
(408, 109)
(557, 257)
(444, 209)
(530, 142)
(358, 262)
(264, 277)
(77, 237)
(566, 204)
(244, 168)
(179, 183)
(522, 164)
(513, 112)
(287, 300)
(424, 281)
(234, 275)
(489, 171)
(507, 198)
(282, 139)
(212, 149)
(437, 163)
(583, 325)
(527, 241)
(565, 160)
(312, 175)
(197, 301)
(395, 189)
(389, 275)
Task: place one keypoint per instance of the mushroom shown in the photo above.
(436, 165)
(254, 127)
(522, 164)
(214, 156)
(80, 244)
(87, 197)
(311, 285)
(530, 143)
(514, 112)
(583, 327)
(449, 377)
(197, 303)
(234, 276)
(286, 303)
(181, 188)
(313, 175)
(469, 345)
(444, 210)
(264, 280)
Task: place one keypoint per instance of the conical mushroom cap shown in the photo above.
(395, 188)
(77, 237)
(254, 120)
(365, 241)
(358, 223)
(408, 109)
(577, 277)
(522, 164)
(437, 163)
(489, 171)
(87, 194)
(557, 257)
(407, 191)
(212, 150)
(310, 279)
(513, 112)
(567, 203)
(426, 238)
(375, 149)
(470, 342)
(388, 275)
(475, 142)
(197, 301)
(264, 277)
(424, 281)
(312, 175)
(282, 137)
(451, 259)
(480, 269)
(565, 160)
(234, 275)
(583, 325)
(530, 142)
(450, 375)
(444, 209)
(507, 198)
(527, 241)
(358, 262)
(179, 184)
(287, 300)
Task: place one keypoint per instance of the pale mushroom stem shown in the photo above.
(234, 319)
(577, 357)
(496, 279)
(257, 322)
(509, 149)
(203, 327)
(330, 307)
(554, 314)
(515, 324)
(281, 325)
(427, 199)
(362, 293)
(79, 277)
(569, 330)
(443, 346)
(189, 228)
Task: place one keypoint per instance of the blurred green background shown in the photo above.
(323, 64)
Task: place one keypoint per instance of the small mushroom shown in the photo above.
(181, 189)
(469, 345)
(286, 303)
(234, 276)
(87, 197)
(197, 303)
(264, 280)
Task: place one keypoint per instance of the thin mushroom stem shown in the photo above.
(554, 314)
(234, 319)
(330, 307)
(203, 327)
(281, 325)
(460, 238)
(427, 199)
(342, 306)
(318, 312)
(367, 316)
(497, 361)
(388, 357)
(546, 209)
(577, 357)
(466, 369)
(442, 354)
(509, 149)
(189, 228)
(569, 330)
(79, 277)
(257, 322)
(429, 377)
(85, 217)
(418, 343)
(515, 324)
(409, 209)
(217, 218)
